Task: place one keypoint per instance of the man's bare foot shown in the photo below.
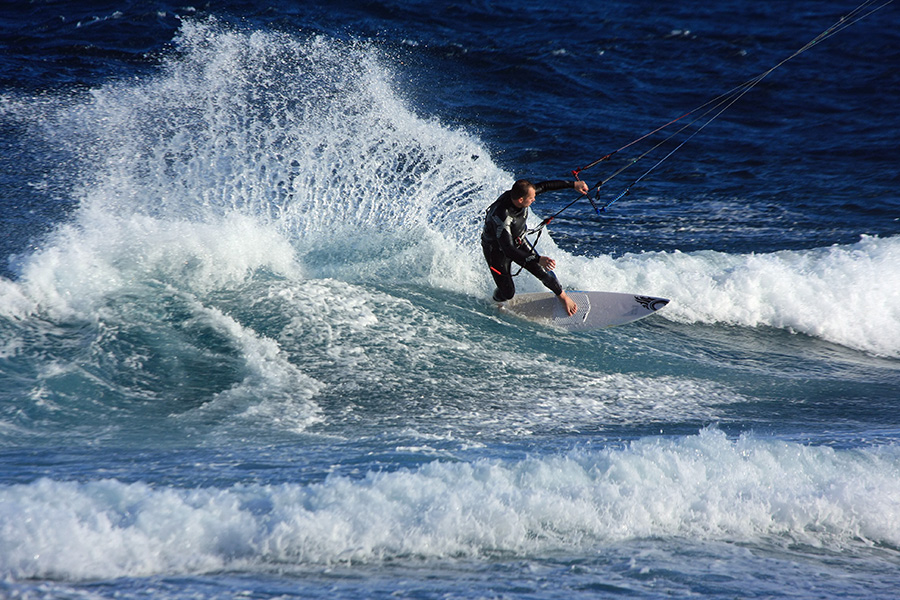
(571, 307)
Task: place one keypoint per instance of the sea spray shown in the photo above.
(306, 137)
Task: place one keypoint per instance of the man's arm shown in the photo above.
(559, 184)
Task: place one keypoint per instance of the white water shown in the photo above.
(848, 295)
(703, 487)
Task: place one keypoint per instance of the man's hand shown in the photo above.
(581, 186)
(547, 262)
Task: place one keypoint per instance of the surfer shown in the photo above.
(503, 240)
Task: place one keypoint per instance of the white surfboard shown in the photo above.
(596, 310)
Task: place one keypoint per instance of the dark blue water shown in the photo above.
(245, 342)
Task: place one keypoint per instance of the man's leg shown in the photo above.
(500, 266)
(548, 278)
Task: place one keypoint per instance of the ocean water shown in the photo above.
(246, 346)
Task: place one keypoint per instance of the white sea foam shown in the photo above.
(109, 270)
(273, 391)
(846, 294)
(703, 487)
(83, 264)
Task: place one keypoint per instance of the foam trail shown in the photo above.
(704, 487)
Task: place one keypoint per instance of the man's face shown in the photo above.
(525, 201)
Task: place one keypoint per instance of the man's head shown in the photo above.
(522, 193)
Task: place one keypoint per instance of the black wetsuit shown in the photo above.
(503, 241)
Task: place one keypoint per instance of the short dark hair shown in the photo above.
(521, 188)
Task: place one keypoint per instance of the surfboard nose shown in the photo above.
(651, 303)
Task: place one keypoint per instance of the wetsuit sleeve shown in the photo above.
(552, 186)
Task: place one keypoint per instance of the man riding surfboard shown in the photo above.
(503, 240)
